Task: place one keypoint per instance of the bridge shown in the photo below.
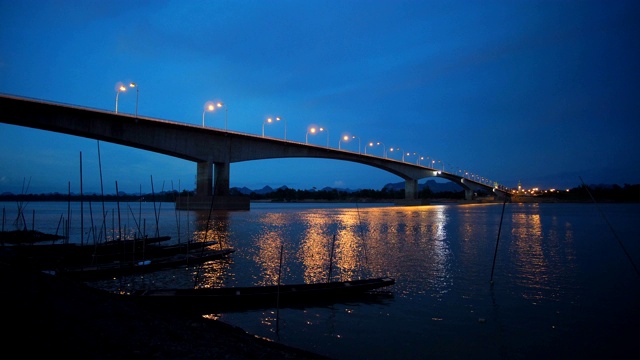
(213, 150)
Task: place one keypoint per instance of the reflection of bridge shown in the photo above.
(213, 150)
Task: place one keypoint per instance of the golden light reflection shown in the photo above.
(212, 273)
(315, 247)
(212, 228)
(537, 252)
(271, 257)
(272, 251)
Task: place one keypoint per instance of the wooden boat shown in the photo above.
(125, 268)
(27, 237)
(50, 256)
(259, 297)
(135, 242)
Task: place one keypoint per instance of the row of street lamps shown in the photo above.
(213, 105)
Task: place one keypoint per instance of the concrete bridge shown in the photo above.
(213, 150)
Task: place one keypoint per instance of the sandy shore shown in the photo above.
(46, 315)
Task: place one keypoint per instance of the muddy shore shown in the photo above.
(46, 315)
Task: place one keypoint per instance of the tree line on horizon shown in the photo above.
(600, 193)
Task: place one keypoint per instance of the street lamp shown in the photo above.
(312, 131)
(209, 106)
(119, 88)
(134, 85)
(324, 129)
(285, 126)
(270, 120)
(226, 113)
(345, 138)
(398, 149)
(419, 157)
(384, 149)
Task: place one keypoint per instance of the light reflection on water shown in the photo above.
(562, 285)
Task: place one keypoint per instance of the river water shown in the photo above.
(565, 281)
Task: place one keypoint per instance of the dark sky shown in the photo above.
(538, 92)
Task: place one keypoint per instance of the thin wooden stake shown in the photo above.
(333, 243)
(615, 235)
(497, 241)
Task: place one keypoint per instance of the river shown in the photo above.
(473, 281)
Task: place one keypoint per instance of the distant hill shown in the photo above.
(265, 190)
(434, 186)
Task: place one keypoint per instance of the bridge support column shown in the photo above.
(468, 194)
(212, 190)
(221, 179)
(410, 189)
(204, 178)
(411, 194)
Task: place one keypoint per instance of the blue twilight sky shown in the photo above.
(541, 92)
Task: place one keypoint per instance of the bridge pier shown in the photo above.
(212, 190)
(204, 178)
(411, 194)
(468, 194)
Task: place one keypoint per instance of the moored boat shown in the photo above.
(125, 268)
(50, 256)
(256, 297)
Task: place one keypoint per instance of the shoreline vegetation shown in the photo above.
(601, 193)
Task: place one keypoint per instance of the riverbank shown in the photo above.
(46, 315)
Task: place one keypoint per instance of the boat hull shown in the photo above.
(261, 297)
(119, 269)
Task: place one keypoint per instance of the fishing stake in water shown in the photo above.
(497, 240)
(611, 228)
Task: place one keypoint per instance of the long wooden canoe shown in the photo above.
(50, 256)
(259, 297)
(125, 268)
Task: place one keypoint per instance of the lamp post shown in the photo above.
(324, 129)
(134, 85)
(208, 106)
(398, 149)
(226, 113)
(345, 138)
(312, 131)
(285, 126)
(384, 149)
(355, 137)
(268, 121)
(119, 88)
(418, 156)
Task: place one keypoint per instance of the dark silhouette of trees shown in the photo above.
(601, 193)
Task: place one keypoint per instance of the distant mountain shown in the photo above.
(265, 190)
(433, 185)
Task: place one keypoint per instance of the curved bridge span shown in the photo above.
(213, 150)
